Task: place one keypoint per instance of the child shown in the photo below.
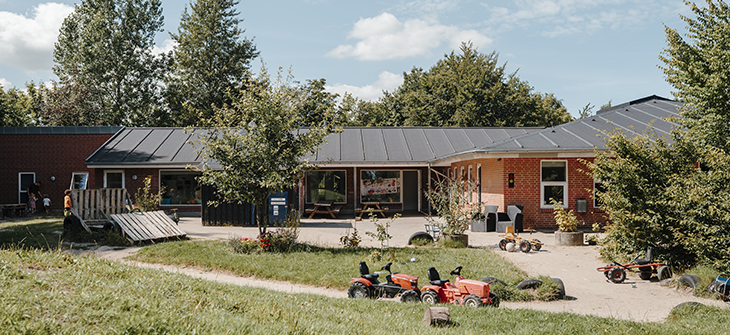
(47, 204)
(67, 203)
(32, 203)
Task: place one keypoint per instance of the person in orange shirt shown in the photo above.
(67, 203)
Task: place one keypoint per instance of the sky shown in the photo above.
(582, 51)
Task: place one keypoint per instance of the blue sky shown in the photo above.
(583, 51)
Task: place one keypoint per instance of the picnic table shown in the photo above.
(373, 206)
(13, 209)
(323, 207)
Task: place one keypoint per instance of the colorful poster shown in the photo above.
(379, 186)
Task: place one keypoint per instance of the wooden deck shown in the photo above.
(146, 226)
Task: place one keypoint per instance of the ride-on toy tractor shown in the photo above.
(368, 286)
(525, 244)
(465, 292)
(616, 272)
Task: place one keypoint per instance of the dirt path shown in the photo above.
(588, 291)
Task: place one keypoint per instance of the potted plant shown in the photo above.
(450, 199)
(567, 224)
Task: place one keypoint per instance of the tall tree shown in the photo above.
(468, 89)
(211, 59)
(255, 146)
(71, 103)
(109, 44)
(698, 67)
(15, 108)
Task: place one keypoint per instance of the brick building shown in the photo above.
(524, 166)
(52, 156)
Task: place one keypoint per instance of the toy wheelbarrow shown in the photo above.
(720, 287)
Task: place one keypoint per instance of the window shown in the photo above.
(598, 187)
(554, 182)
(78, 180)
(25, 179)
(479, 183)
(471, 180)
(326, 185)
(114, 179)
(380, 186)
(180, 188)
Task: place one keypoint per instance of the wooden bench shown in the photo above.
(13, 210)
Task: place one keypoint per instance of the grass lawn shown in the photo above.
(52, 292)
(41, 233)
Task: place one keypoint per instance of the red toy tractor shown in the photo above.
(368, 286)
(465, 292)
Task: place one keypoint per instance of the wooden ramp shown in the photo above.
(145, 226)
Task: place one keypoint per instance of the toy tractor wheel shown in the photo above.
(609, 266)
(503, 244)
(537, 245)
(429, 297)
(525, 246)
(617, 275)
(495, 300)
(410, 296)
(358, 290)
(472, 300)
(664, 272)
(645, 272)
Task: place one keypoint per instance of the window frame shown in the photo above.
(400, 185)
(21, 189)
(106, 172)
(306, 183)
(159, 187)
(544, 184)
(86, 180)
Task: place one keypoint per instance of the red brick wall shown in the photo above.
(526, 190)
(47, 155)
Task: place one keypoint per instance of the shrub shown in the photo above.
(451, 201)
(144, 197)
(566, 221)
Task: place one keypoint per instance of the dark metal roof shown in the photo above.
(58, 130)
(147, 146)
(585, 134)
(409, 145)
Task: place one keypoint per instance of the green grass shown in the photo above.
(334, 267)
(47, 234)
(52, 292)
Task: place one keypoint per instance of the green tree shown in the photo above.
(698, 67)
(468, 89)
(256, 147)
(15, 108)
(108, 45)
(71, 103)
(211, 59)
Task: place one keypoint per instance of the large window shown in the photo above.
(113, 179)
(180, 188)
(326, 185)
(380, 186)
(554, 182)
(79, 180)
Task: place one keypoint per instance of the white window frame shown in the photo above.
(471, 191)
(564, 184)
(86, 180)
(20, 189)
(114, 171)
(479, 183)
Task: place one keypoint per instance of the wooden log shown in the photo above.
(436, 316)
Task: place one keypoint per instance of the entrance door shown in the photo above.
(25, 179)
(410, 191)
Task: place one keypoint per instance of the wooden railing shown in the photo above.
(89, 204)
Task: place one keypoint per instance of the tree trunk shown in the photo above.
(436, 315)
(262, 214)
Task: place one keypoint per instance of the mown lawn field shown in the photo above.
(47, 292)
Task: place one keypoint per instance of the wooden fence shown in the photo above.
(89, 204)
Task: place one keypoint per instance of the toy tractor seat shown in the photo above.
(434, 278)
(646, 260)
(365, 273)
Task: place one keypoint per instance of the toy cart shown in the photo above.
(616, 272)
(525, 244)
(720, 287)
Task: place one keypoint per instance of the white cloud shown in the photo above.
(386, 82)
(569, 17)
(5, 84)
(167, 46)
(27, 42)
(385, 37)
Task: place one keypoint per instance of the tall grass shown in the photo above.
(51, 292)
